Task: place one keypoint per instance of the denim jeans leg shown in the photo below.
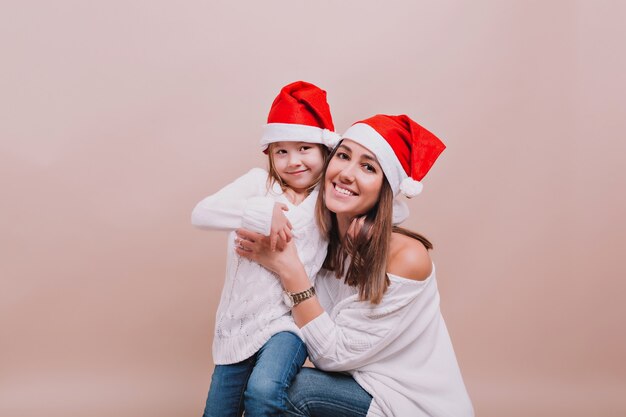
(278, 362)
(326, 394)
(228, 383)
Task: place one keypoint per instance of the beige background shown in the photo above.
(116, 117)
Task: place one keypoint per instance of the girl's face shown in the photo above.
(353, 180)
(299, 164)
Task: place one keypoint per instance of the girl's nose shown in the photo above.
(294, 160)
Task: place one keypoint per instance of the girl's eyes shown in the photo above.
(300, 149)
(342, 155)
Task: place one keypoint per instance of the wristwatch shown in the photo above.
(292, 299)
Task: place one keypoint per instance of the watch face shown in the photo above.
(287, 299)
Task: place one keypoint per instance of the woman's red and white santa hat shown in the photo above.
(405, 150)
(300, 113)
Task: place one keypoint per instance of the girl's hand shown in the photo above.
(281, 227)
(257, 248)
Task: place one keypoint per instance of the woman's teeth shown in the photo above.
(343, 190)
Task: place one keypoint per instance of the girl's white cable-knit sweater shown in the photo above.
(251, 308)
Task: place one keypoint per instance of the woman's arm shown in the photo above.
(358, 333)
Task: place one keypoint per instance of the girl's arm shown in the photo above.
(242, 203)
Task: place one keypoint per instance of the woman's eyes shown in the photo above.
(369, 168)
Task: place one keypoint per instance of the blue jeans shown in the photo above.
(317, 393)
(258, 384)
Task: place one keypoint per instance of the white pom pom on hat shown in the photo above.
(405, 150)
(330, 138)
(410, 187)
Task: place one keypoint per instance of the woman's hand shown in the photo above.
(281, 227)
(355, 227)
(258, 248)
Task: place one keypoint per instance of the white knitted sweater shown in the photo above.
(251, 308)
(399, 351)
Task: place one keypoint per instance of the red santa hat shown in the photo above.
(300, 113)
(405, 150)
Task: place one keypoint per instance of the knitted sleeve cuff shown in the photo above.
(257, 215)
(317, 334)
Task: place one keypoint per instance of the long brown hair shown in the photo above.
(274, 178)
(368, 249)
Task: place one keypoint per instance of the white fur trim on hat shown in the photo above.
(367, 136)
(287, 132)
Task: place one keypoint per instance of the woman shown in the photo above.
(374, 330)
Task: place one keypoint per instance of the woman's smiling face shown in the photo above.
(353, 180)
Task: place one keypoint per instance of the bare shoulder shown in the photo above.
(408, 258)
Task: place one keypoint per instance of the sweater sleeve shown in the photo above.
(361, 333)
(243, 203)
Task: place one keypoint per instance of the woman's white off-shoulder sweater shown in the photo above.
(399, 351)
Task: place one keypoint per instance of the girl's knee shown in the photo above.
(264, 397)
(264, 388)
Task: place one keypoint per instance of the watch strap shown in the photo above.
(298, 297)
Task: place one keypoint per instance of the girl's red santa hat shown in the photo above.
(405, 150)
(300, 113)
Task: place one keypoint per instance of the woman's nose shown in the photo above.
(347, 174)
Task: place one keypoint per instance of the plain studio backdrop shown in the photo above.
(117, 117)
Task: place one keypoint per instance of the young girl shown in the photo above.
(256, 347)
